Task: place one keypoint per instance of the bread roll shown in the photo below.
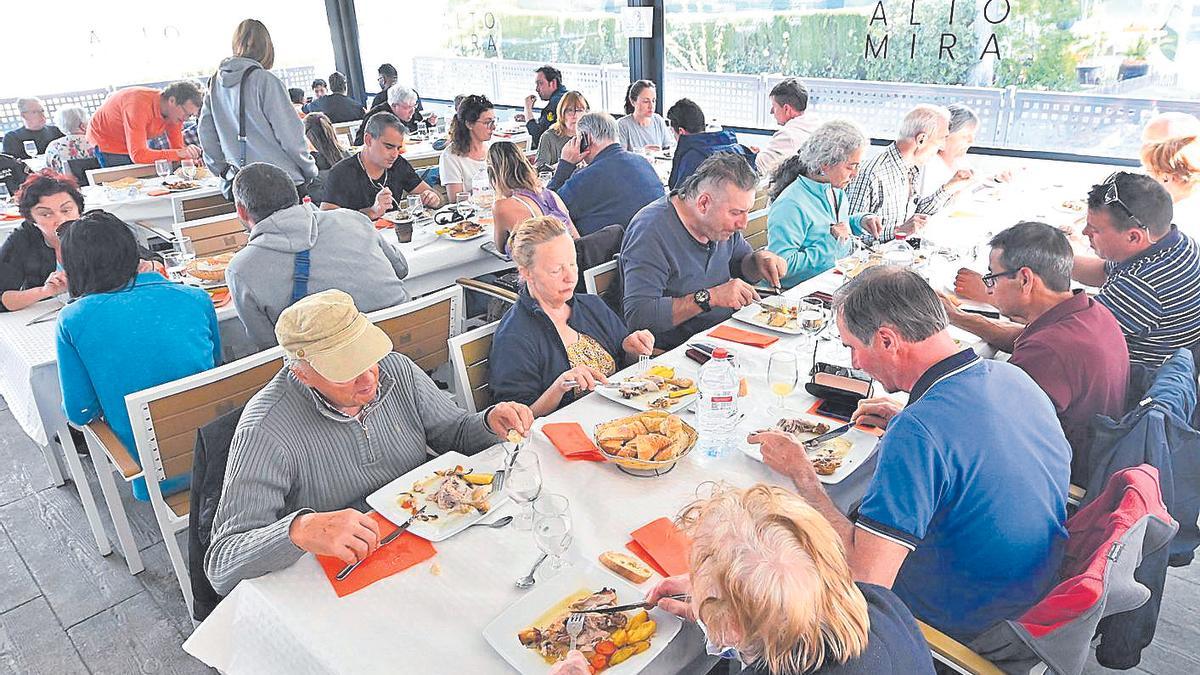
(626, 566)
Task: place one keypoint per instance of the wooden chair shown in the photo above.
(469, 356)
(213, 235)
(187, 209)
(421, 329)
(79, 168)
(101, 176)
(345, 132)
(756, 230)
(761, 198)
(955, 655)
(597, 279)
(487, 289)
(424, 162)
(165, 419)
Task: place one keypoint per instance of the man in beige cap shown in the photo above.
(344, 417)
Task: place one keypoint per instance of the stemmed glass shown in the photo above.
(552, 528)
(189, 169)
(812, 319)
(186, 249)
(523, 482)
(162, 167)
(462, 203)
(782, 376)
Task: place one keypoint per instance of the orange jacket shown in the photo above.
(130, 117)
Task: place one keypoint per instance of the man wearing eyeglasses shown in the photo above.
(1147, 270)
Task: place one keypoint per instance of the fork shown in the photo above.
(574, 628)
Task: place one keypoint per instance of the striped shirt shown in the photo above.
(1155, 296)
(886, 187)
(292, 454)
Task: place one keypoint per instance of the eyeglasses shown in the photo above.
(989, 280)
(491, 124)
(1111, 197)
(568, 111)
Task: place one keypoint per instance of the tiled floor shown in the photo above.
(65, 609)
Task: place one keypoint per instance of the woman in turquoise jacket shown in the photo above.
(809, 224)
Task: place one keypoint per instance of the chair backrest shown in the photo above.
(165, 418)
(186, 209)
(756, 230)
(345, 132)
(598, 279)
(213, 235)
(420, 329)
(79, 168)
(101, 176)
(469, 355)
(761, 197)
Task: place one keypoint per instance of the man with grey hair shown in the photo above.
(968, 493)
(35, 129)
(405, 104)
(373, 180)
(1069, 343)
(886, 185)
(614, 184)
(685, 266)
(295, 250)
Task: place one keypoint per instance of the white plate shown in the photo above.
(481, 233)
(501, 633)
(862, 447)
(642, 402)
(383, 500)
(750, 313)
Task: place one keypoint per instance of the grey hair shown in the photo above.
(380, 121)
(401, 94)
(22, 102)
(1045, 250)
(962, 115)
(832, 143)
(888, 295)
(922, 119)
(718, 169)
(70, 118)
(263, 189)
(599, 125)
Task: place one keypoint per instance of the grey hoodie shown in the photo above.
(274, 133)
(347, 253)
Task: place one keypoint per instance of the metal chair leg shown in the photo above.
(83, 487)
(116, 508)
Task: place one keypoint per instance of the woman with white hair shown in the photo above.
(946, 169)
(73, 121)
(809, 224)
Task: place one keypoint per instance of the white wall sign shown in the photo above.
(637, 22)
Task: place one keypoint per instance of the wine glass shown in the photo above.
(162, 167)
(552, 528)
(523, 482)
(812, 318)
(185, 248)
(462, 203)
(188, 167)
(30, 149)
(782, 376)
(175, 264)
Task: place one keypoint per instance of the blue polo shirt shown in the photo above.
(608, 191)
(972, 480)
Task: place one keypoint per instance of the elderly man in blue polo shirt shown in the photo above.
(965, 516)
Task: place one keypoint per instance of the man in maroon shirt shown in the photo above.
(1071, 345)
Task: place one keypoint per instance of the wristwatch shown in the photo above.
(701, 297)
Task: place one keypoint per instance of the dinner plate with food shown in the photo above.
(650, 441)
(455, 491)
(832, 459)
(181, 186)
(776, 314)
(531, 634)
(659, 388)
(462, 231)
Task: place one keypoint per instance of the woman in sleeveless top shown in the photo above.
(520, 194)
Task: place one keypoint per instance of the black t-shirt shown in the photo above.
(894, 643)
(337, 107)
(14, 141)
(12, 172)
(25, 260)
(348, 185)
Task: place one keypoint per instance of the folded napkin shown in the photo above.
(744, 337)
(382, 224)
(572, 441)
(665, 544)
(407, 550)
(636, 549)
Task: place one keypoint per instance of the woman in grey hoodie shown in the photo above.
(274, 133)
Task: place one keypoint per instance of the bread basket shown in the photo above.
(646, 467)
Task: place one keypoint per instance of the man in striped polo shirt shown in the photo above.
(1148, 271)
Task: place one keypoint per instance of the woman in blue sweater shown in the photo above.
(809, 224)
(128, 328)
(555, 344)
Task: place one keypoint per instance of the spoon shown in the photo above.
(494, 524)
(528, 581)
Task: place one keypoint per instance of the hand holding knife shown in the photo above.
(386, 540)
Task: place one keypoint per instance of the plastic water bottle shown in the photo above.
(717, 407)
(898, 251)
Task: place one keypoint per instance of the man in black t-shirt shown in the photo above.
(35, 129)
(375, 179)
(336, 104)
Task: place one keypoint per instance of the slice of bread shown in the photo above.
(626, 566)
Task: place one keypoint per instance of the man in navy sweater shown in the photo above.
(613, 186)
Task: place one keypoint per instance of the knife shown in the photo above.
(386, 540)
(682, 597)
(828, 436)
(44, 317)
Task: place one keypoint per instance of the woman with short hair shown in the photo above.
(642, 129)
(519, 194)
(73, 121)
(571, 107)
(463, 164)
(123, 311)
(30, 255)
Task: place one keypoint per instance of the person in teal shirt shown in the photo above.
(126, 330)
(809, 224)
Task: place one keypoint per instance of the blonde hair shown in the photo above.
(509, 170)
(1176, 157)
(529, 234)
(775, 575)
(251, 40)
(571, 99)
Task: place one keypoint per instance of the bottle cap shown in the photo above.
(720, 353)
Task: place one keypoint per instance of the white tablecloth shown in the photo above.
(28, 367)
(152, 211)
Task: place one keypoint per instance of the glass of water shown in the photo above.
(176, 264)
(812, 319)
(185, 248)
(162, 167)
(523, 482)
(552, 528)
(188, 167)
(30, 149)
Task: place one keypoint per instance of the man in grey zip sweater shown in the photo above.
(345, 417)
(346, 252)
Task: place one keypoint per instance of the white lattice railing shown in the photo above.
(1009, 118)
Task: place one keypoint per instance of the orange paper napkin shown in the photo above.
(572, 441)
(407, 550)
(636, 549)
(744, 337)
(666, 544)
(382, 224)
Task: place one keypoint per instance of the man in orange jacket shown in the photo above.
(130, 117)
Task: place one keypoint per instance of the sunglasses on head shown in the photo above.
(1112, 197)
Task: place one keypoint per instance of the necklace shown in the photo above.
(378, 185)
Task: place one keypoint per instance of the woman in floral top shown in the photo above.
(73, 121)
